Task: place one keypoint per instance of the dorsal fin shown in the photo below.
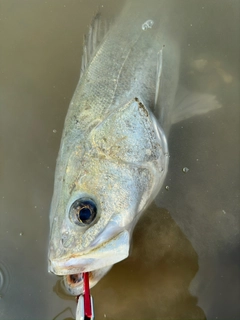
(158, 77)
(96, 33)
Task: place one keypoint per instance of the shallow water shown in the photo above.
(184, 262)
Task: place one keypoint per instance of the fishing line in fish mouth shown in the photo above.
(85, 301)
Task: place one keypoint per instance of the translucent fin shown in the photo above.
(97, 31)
(159, 72)
(189, 104)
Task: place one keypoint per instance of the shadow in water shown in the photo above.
(153, 282)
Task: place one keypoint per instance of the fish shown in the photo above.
(114, 156)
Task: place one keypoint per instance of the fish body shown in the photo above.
(113, 157)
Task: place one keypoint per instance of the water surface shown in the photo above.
(184, 262)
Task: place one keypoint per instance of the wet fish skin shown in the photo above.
(113, 148)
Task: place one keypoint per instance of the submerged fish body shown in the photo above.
(113, 156)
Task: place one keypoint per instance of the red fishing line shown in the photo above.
(87, 299)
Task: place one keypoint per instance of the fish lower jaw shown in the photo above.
(97, 262)
(74, 282)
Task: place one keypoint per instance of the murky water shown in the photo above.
(185, 259)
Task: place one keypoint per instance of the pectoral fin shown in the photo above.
(189, 104)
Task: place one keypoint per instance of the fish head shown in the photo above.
(101, 188)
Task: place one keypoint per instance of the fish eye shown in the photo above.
(83, 211)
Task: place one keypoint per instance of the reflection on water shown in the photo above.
(156, 276)
(184, 262)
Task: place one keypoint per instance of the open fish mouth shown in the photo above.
(74, 282)
(97, 262)
(74, 279)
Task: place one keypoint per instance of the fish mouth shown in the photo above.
(74, 282)
(96, 259)
(74, 279)
(97, 262)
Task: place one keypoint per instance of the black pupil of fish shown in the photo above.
(85, 210)
(85, 214)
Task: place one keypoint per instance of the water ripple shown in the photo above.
(4, 279)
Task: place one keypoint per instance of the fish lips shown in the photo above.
(106, 254)
(73, 284)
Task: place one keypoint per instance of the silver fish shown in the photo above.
(113, 157)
